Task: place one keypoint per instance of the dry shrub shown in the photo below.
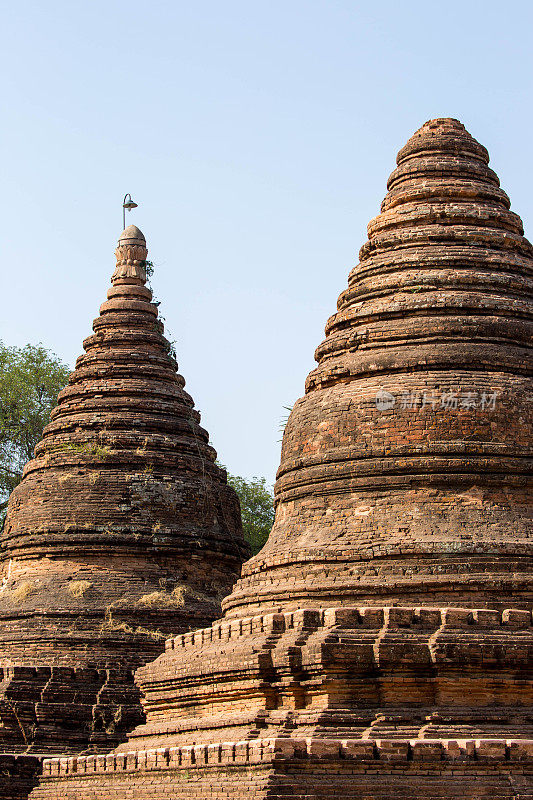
(112, 624)
(174, 598)
(78, 588)
(23, 591)
(178, 593)
(145, 632)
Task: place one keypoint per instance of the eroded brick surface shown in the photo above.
(18, 775)
(381, 644)
(123, 531)
(429, 499)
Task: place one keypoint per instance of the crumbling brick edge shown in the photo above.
(258, 751)
(19, 773)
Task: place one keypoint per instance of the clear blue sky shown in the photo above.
(257, 139)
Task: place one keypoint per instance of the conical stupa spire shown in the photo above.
(381, 644)
(122, 530)
(405, 468)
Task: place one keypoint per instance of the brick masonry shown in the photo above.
(122, 532)
(380, 646)
(322, 768)
(427, 499)
(18, 775)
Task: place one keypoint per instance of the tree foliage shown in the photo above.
(30, 379)
(257, 509)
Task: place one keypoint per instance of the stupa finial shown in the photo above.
(131, 255)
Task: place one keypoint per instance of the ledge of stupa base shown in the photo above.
(292, 593)
(360, 672)
(448, 769)
(18, 775)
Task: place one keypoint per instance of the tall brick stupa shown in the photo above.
(380, 646)
(122, 532)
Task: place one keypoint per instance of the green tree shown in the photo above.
(30, 380)
(257, 509)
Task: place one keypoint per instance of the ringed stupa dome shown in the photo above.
(406, 467)
(122, 531)
(381, 644)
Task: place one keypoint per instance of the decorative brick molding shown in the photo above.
(372, 617)
(269, 750)
(300, 768)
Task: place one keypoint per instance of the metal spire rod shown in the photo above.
(127, 204)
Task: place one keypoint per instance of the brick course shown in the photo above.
(428, 500)
(380, 646)
(122, 532)
(301, 768)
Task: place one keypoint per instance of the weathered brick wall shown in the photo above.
(18, 776)
(301, 769)
(122, 532)
(405, 474)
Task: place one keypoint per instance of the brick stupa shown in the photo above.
(380, 647)
(122, 532)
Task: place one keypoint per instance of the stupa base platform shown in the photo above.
(304, 696)
(386, 769)
(342, 673)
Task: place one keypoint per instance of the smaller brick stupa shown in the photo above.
(122, 531)
(380, 646)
